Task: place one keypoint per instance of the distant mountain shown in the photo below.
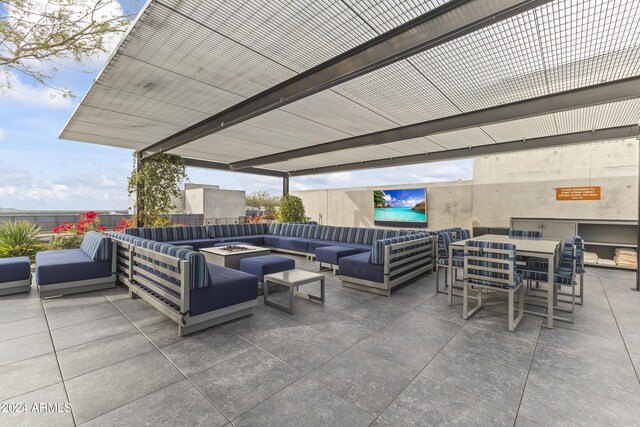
(8, 210)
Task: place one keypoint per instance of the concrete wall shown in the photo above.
(524, 184)
(213, 202)
(519, 184)
(447, 203)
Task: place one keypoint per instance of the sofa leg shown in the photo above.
(133, 295)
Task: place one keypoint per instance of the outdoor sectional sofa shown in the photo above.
(385, 258)
(181, 284)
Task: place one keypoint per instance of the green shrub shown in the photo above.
(291, 209)
(19, 239)
(66, 241)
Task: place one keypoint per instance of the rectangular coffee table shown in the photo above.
(231, 259)
(292, 279)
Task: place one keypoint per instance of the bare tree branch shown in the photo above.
(34, 34)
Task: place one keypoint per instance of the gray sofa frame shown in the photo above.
(16, 287)
(395, 263)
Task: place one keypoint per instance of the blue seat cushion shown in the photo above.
(68, 265)
(217, 245)
(319, 243)
(14, 269)
(266, 264)
(227, 287)
(332, 254)
(298, 244)
(560, 277)
(255, 239)
(458, 261)
(360, 267)
(194, 243)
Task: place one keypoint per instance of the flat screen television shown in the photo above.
(400, 208)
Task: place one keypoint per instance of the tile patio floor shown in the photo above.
(359, 360)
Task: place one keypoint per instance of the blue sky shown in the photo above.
(38, 171)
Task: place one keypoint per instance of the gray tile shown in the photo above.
(367, 381)
(58, 413)
(428, 403)
(304, 403)
(17, 349)
(426, 324)
(104, 390)
(377, 310)
(349, 329)
(567, 389)
(405, 348)
(90, 331)
(607, 349)
(482, 378)
(62, 304)
(523, 422)
(510, 351)
(205, 349)
(439, 307)
(411, 295)
(345, 298)
(60, 316)
(528, 328)
(304, 348)
(162, 334)
(138, 311)
(24, 327)
(177, 404)
(240, 383)
(12, 313)
(29, 375)
(264, 327)
(84, 358)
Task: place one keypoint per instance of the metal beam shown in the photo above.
(592, 95)
(450, 21)
(206, 164)
(620, 132)
(285, 186)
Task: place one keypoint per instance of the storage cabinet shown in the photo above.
(600, 236)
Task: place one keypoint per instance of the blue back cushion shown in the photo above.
(235, 230)
(97, 246)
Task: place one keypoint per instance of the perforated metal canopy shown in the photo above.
(292, 88)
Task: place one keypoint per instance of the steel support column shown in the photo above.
(637, 287)
(139, 188)
(285, 186)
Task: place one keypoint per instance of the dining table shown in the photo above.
(547, 249)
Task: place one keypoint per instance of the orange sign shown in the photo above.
(578, 193)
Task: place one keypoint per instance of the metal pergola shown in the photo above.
(287, 89)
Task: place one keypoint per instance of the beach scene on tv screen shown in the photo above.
(400, 205)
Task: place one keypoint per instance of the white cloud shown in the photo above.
(107, 182)
(3, 135)
(19, 92)
(8, 190)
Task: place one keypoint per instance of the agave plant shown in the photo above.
(19, 239)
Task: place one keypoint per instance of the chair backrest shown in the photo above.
(444, 240)
(571, 259)
(526, 234)
(490, 263)
(465, 234)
